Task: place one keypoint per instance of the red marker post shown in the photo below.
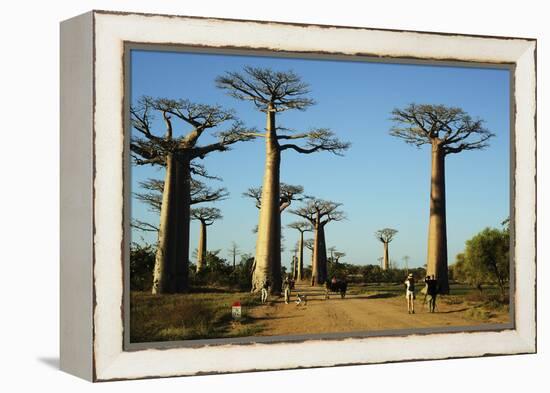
(236, 310)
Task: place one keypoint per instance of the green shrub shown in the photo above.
(142, 262)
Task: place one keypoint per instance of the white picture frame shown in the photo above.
(92, 193)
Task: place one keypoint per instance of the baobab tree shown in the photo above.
(273, 92)
(176, 152)
(448, 130)
(337, 255)
(309, 243)
(287, 194)
(386, 235)
(300, 226)
(233, 252)
(294, 260)
(206, 217)
(319, 213)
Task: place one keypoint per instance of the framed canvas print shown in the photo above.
(247, 195)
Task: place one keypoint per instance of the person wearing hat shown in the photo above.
(409, 293)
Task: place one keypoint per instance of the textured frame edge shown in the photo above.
(111, 363)
(76, 193)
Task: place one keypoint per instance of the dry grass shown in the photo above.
(188, 316)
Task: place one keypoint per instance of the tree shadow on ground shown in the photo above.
(452, 311)
(383, 295)
(213, 290)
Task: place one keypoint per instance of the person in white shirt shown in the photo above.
(409, 293)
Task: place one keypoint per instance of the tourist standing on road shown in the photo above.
(265, 291)
(286, 289)
(431, 292)
(409, 293)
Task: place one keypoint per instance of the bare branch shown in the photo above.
(236, 133)
(287, 194)
(143, 226)
(321, 139)
(199, 193)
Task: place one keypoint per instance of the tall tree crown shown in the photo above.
(301, 226)
(277, 91)
(385, 235)
(321, 210)
(267, 89)
(450, 128)
(206, 215)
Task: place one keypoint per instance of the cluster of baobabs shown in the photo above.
(446, 129)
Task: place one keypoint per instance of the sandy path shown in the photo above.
(355, 313)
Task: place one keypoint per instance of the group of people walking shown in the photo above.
(288, 285)
(430, 292)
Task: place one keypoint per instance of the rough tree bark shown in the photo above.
(201, 250)
(386, 262)
(173, 239)
(319, 269)
(268, 244)
(437, 231)
(300, 259)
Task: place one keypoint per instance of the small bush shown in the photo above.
(142, 262)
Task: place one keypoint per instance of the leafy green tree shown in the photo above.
(142, 260)
(486, 258)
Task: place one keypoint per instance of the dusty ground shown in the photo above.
(358, 312)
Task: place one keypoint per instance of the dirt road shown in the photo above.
(357, 312)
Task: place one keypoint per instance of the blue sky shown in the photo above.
(381, 181)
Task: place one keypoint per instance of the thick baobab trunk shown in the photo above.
(268, 244)
(161, 270)
(201, 251)
(319, 268)
(300, 261)
(386, 262)
(437, 231)
(170, 274)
